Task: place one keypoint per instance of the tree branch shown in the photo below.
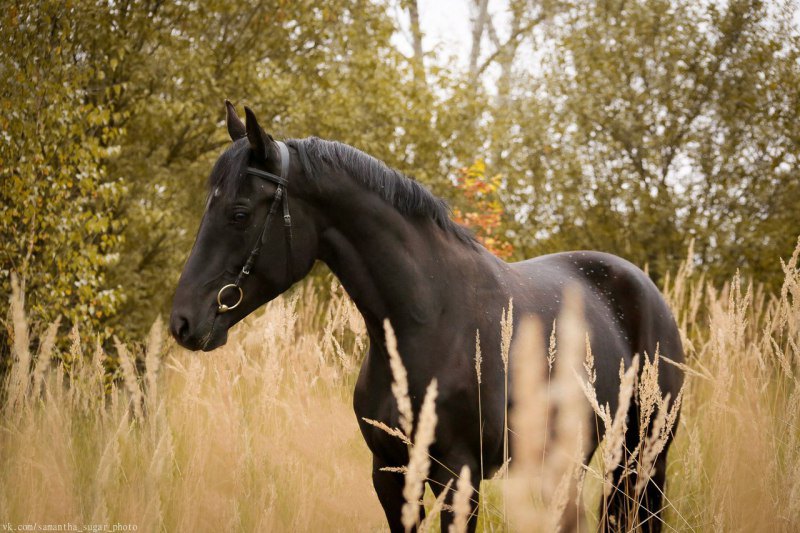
(512, 41)
(478, 24)
(416, 38)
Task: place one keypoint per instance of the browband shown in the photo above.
(283, 178)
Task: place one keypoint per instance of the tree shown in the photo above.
(59, 221)
(142, 83)
(655, 122)
(629, 126)
(480, 209)
(328, 71)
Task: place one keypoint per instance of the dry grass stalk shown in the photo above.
(654, 443)
(524, 485)
(650, 400)
(400, 380)
(72, 363)
(600, 410)
(462, 508)
(18, 382)
(394, 432)
(501, 472)
(419, 461)
(433, 513)
(478, 363)
(395, 469)
(588, 364)
(152, 359)
(44, 358)
(506, 332)
(478, 357)
(552, 348)
(614, 444)
(703, 373)
(567, 453)
(544, 474)
(126, 363)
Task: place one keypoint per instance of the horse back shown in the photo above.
(624, 310)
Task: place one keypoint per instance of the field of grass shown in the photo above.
(260, 434)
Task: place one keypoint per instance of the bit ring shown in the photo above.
(221, 307)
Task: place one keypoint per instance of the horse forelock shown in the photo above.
(227, 174)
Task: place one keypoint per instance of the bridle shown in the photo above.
(282, 197)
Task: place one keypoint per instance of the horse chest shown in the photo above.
(457, 429)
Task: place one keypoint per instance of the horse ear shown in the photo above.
(236, 127)
(260, 141)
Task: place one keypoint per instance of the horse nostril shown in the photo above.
(179, 327)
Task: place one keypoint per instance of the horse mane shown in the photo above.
(405, 194)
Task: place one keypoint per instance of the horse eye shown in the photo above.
(240, 217)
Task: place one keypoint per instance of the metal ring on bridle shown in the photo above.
(222, 308)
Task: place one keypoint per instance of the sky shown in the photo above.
(446, 27)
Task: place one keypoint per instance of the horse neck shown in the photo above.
(406, 269)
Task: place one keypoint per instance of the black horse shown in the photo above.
(399, 256)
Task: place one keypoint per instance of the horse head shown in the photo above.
(256, 238)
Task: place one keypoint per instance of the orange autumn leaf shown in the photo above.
(482, 210)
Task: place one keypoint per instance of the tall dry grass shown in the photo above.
(260, 434)
(735, 465)
(256, 436)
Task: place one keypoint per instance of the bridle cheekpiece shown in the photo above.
(282, 197)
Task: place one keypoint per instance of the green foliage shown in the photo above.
(145, 82)
(643, 125)
(59, 225)
(655, 122)
(307, 69)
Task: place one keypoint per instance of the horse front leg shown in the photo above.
(389, 487)
(439, 479)
(628, 509)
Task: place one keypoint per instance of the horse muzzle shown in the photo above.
(194, 338)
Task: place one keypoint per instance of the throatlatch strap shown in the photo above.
(285, 159)
(287, 217)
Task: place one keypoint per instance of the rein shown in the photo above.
(281, 196)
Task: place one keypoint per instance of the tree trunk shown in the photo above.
(478, 24)
(416, 38)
